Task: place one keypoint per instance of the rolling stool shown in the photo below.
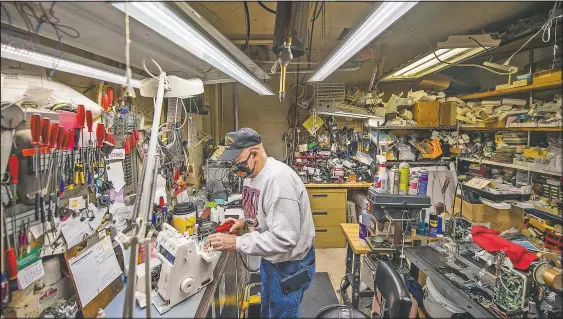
(340, 311)
(396, 300)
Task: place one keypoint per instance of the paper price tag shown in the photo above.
(117, 154)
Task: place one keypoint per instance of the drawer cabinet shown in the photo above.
(328, 206)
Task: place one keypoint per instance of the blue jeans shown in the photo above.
(274, 303)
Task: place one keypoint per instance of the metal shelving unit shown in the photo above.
(453, 127)
(524, 168)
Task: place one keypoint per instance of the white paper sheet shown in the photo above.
(121, 214)
(478, 183)
(30, 274)
(115, 175)
(94, 270)
(74, 230)
(76, 204)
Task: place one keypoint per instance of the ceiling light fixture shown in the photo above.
(48, 61)
(457, 49)
(167, 23)
(376, 23)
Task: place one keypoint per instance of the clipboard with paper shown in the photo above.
(95, 272)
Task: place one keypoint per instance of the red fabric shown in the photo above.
(489, 240)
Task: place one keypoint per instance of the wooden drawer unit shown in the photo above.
(328, 206)
(327, 198)
(329, 237)
(328, 217)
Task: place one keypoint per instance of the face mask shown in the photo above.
(242, 170)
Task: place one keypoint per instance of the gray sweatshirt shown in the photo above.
(276, 200)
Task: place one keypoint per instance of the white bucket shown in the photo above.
(437, 305)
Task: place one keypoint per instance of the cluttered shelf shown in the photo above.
(520, 167)
(420, 163)
(519, 129)
(515, 90)
(399, 127)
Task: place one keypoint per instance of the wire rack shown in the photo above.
(328, 94)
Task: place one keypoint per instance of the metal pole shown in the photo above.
(235, 105)
(144, 200)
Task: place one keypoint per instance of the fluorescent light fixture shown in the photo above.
(48, 61)
(337, 109)
(429, 63)
(376, 23)
(456, 49)
(161, 19)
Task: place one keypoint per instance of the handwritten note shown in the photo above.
(89, 283)
(74, 231)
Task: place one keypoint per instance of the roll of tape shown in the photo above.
(52, 269)
(552, 278)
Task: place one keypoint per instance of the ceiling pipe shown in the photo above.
(309, 70)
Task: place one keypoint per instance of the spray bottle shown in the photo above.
(382, 178)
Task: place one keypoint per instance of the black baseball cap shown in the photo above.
(236, 142)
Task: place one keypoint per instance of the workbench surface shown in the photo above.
(352, 233)
(193, 307)
(342, 185)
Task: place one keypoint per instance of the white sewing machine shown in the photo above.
(186, 268)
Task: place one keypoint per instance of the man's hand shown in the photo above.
(222, 242)
(237, 227)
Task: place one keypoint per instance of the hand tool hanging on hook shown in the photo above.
(45, 132)
(13, 169)
(35, 125)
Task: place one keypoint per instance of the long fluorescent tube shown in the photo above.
(164, 21)
(430, 64)
(48, 61)
(376, 23)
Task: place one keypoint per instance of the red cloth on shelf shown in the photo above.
(489, 240)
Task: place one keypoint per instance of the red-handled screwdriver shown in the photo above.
(225, 227)
(45, 132)
(14, 169)
(35, 125)
(109, 93)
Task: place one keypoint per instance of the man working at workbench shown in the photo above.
(275, 199)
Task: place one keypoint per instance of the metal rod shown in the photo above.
(235, 105)
(148, 276)
(130, 288)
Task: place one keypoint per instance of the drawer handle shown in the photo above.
(321, 230)
(320, 195)
(320, 213)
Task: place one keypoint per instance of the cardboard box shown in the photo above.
(447, 114)
(426, 113)
(497, 219)
(29, 303)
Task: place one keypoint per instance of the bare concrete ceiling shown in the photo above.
(435, 20)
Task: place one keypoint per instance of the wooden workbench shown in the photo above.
(352, 234)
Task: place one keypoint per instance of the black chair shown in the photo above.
(396, 299)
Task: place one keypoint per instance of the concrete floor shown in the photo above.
(332, 261)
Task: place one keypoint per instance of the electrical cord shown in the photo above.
(309, 52)
(320, 10)
(247, 23)
(545, 27)
(246, 265)
(455, 63)
(266, 8)
(488, 51)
